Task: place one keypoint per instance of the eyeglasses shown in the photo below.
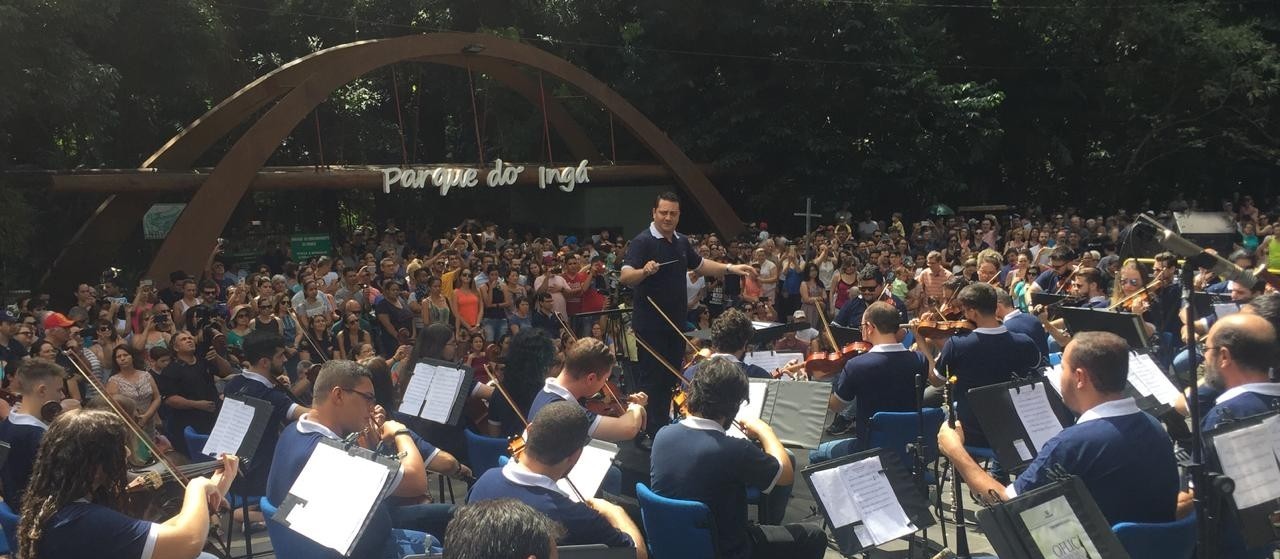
(104, 328)
(370, 398)
(868, 288)
(1132, 282)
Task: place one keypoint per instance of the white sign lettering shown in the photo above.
(502, 174)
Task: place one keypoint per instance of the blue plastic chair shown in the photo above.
(676, 528)
(9, 521)
(285, 543)
(195, 443)
(896, 430)
(502, 461)
(1055, 358)
(1162, 540)
(483, 452)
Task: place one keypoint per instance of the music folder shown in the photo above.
(1148, 384)
(845, 335)
(1018, 417)
(437, 391)
(239, 427)
(1124, 324)
(1248, 451)
(868, 499)
(796, 410)
(1056, 521)
(336, 513)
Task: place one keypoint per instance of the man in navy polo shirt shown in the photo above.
(1060, 261)
(654, 267)
(1087, 285)
(990, 354)
(1015, 320)
(554, 445)
(881, 380)
(695, 460)
(266, 355)
(40, 382)
(1239, 351)
(730, 333)
(871, 289)
(1123, 455)
(344, 404)
(588, 364)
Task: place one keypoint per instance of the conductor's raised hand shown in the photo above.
(650, 268)
(743, 270)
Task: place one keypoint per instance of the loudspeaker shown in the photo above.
(1213, 230)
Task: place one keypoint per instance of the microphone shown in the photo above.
(1194, 253)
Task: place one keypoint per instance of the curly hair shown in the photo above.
(718, 390)
(528, 362)
(76, 439)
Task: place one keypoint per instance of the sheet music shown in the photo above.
(835, 497)
(331, 514)
(769, 361)
(1147, 378)
(877, 504)
(1021, 446)
(1054, 375)
(415, 394)
(752, 408)
(1248, 456)
(437, 392)
(1057, 532)
(590, 471)
(1032, 405)
(234, 420)
(757, 325)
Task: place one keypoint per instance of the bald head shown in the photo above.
(1243, 343)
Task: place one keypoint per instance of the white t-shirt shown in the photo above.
(768, 268)
(692, 288)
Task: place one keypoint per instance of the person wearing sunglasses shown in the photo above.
(11, 348)
(870, 289)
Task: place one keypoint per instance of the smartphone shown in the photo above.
(146, 283)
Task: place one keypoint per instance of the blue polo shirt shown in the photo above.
(1099, 302)
(1238, 403)
(1028, 325)
(984, 357)
(850, 315)
(583, 525)
(667, 287)
(883, 379)
(1048, 280)
(253, 480)
(553, 392)
(23, 433)
(1121, 454)
(292, 452)
(695, 460)
(752, 371)
(82, 529)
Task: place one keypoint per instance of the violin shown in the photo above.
(1138, 298)
(932, 329)
(606, 402)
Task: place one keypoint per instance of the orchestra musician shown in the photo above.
(730, 333)
(523, 377)
(39, 381)
(345, 404)
(588, 364)
(883, 379)
(989, 264)
(1017, 321)
(1086, 288)
(1051, 280)
(870, 289)
(654, 267)
(266, 355)
(1123, 456)
(695, 460)
(501, 529)
(79, 480)
(554, 444)
(1129, 281)
(988, 355)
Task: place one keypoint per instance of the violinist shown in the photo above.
(588, 364)
(989, 264)
(730, 333)
(1054, 278)
(80, 478)
(266, 355)
(988, 355)
(1131, 280)
(555, 442)
(344, 403)
(881, 380)
(695, 460)
(1086, 285)
(1017, 321)
(871, 289)
(530, 357)
(40, 382)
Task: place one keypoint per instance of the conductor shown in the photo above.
(655, 266)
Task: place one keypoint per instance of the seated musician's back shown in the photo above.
(730, 333)
(39, 381)
(556, 439)
(695, 460)
(588, 364)
(266, 355)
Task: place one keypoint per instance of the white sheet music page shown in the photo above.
(1248, 457)
(1057, 531)
(1149, 380)
(835, 497)
(877, 504)
(769, 360)
(228, 433)
(590, 471)
(752, 408)
(416, 393)
(442, 393)
(1054, 376)
(332, 513)
(1032, 404)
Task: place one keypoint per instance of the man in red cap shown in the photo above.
(63, 333)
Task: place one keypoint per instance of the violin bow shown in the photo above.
(498, 385)
(673, 371)
(664, 316)
(826, 325)
(565, 325)
(128, 421)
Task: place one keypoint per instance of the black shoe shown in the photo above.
(839, 426)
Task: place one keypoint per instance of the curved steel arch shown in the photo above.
(305, 83)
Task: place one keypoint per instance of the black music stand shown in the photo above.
(1256, 520)
(913, 502)
(1006, 433)
(1061, 514)
(1126, 325)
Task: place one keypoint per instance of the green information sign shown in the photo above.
(305, 247)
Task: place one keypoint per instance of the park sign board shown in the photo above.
(306, 247)
(501, 174)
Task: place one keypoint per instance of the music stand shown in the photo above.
(844, 334)
(1204, 301)
(1126, 325)
(1061, 515)
(1256, 518)
(909, 496)
(1010, 438)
